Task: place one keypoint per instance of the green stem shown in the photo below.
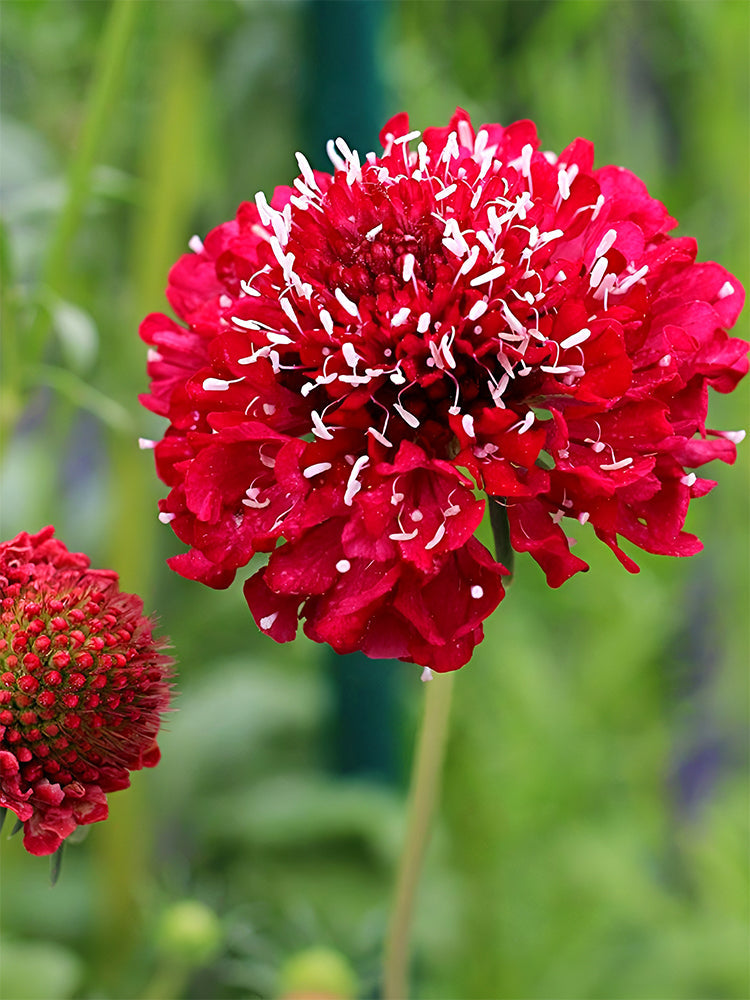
(110, 64)
(423, 795)
(168, 982)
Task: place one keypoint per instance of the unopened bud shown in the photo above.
(317, 974)
(189, 933)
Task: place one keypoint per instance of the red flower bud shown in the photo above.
(66, 744)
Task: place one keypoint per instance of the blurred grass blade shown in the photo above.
(72, 388)
(107, 78)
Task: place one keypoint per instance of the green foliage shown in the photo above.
(593, 842)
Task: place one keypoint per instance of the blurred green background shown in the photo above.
(593, 839)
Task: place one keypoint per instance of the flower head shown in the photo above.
(83, 683)
(462, 313)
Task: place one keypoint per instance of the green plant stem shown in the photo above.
(423, 795)
(168, 982)
(105, 84)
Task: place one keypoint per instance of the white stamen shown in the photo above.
(478, 309)
(343, 565)
(606, 285)
(726, 290)
(630, 280)
(347, 303)
(252, 499)
(416, 515)
(353, 486)
(306, 171)
(575, 339)
(407, 138)
(196, 244)
(606, 243)
(319, 428)
(445, 192)
(526, 154)
(426, 675)
(249, 324)
(464, 134)
(513, 322)
(267, 622)
(583, 517)
(278, 338)
(436, 538)
(166, 516)
(380, 437)
(616, 465)
(423, 323)
(216, 384)
(407, 417)
(288, 310)
(264, 209)
(372, 233)
(404, 536)
(333, 156)
(327, 321)
(469, 263)
(315, 470)
(450, 149)
(734, 436)
(483, 279)
(689, 479)
(350, 355)
(401, 316)
(523, 425)
(409, 261)
(145, 443)
(598, 271)
(344, 149)
(477, 592)
(354, 169)
(467, 422)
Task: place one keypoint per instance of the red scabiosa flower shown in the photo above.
(83, 683)
(365, 356)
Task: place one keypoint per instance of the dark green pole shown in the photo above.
(344, 96)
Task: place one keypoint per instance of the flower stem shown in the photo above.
(111, 63)
(423, 794)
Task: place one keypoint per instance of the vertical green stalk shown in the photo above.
(423, 795)
(105, 86)
(169, 166)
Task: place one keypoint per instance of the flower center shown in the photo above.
(74, 693)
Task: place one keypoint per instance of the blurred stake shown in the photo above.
(344, 97)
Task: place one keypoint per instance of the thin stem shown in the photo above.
(423, 795)
(110, 65)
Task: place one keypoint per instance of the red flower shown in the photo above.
(377, 344)
(82, 687)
